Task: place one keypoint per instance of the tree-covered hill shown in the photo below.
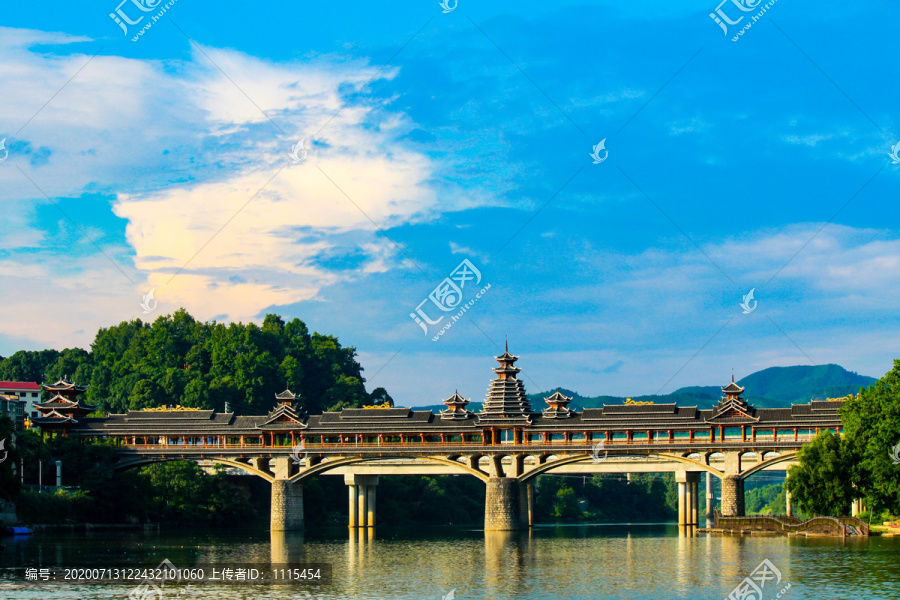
(179, 360)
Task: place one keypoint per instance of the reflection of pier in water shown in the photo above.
(286, 547)
(508, 557)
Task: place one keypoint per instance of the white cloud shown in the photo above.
(184, 150)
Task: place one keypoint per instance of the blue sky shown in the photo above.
(430, 138)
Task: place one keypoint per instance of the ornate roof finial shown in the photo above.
(507, 344)
(732, 374)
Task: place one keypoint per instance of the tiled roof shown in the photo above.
(19, 385)
(733, 388)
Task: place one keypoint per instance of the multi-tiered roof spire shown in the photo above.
(558, 406)
(732, 403)
(506, 403)
(64, 407)
(456, 408)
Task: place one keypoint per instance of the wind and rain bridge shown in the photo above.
(507, 444)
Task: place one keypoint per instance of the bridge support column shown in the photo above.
(695, 499)
(361, 488)
(732, 496)
(526, 504)
(709, 495)
(788, 509)
(502, 504)
(287, 506)
(688, 497)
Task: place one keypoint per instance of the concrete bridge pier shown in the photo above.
(709, 495)
(287, 506)
(732, 486)
(286, 512)
(503, 509)
(732, 496)
(688, 497)
(361, 510)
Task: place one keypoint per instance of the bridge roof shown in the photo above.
(405, 420)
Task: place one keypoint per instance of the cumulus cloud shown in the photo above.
(198, 163)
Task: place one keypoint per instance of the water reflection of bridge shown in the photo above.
(507, 445)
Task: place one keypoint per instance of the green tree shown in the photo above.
(145, 394)
(379, 397)
(28, 365)
(291, 371)
(872, 427)
(822, 481)
(566, 505)
(196, 394)
(74, 363)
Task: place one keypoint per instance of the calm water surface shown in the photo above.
(576, 562)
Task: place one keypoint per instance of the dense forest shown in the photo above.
(179, 360)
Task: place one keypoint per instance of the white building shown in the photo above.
(29, 393)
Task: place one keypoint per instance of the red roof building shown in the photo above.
(28, 393)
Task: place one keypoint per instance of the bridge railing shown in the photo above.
(413, 443)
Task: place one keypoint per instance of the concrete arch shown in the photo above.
(566, 460)
(148, 460)
(333, 463)
(768, 463)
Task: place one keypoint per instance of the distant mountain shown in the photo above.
(770, 388)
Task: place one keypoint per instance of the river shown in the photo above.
(571, 562)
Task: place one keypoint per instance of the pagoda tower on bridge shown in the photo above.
(64, 407)
(506, 405)
(456, 408)
(733, 405)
